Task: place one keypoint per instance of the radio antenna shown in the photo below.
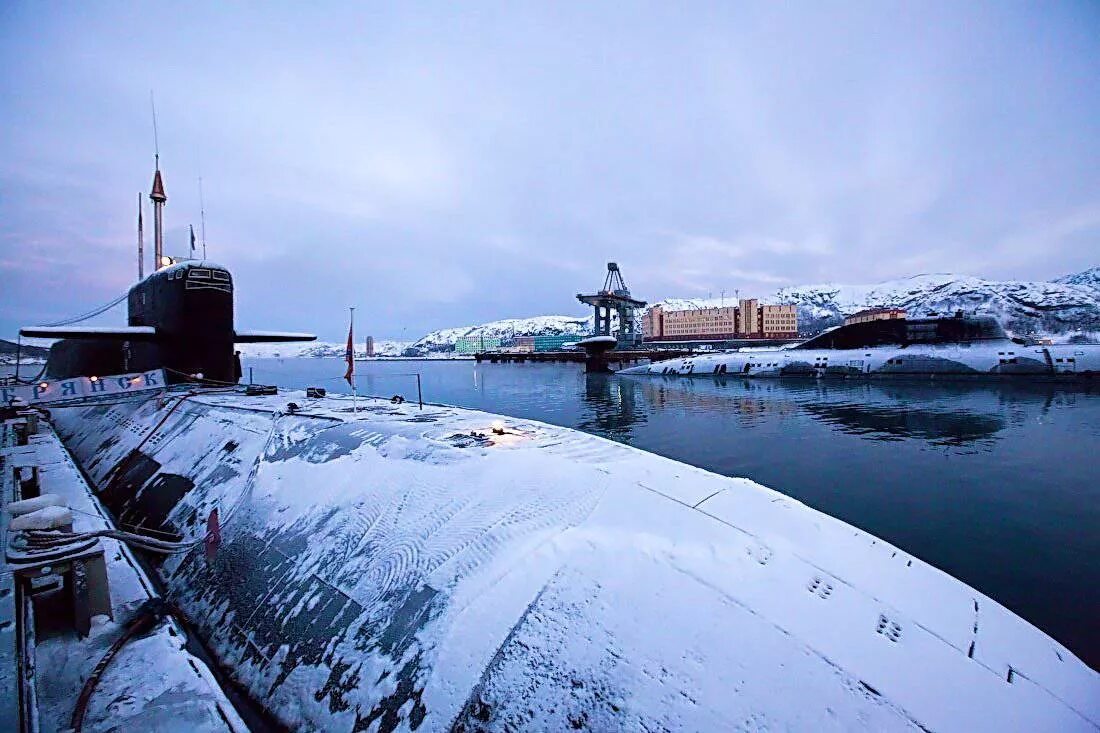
(141, 242)
(156, 142)
(202, 219)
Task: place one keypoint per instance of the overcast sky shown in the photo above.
(440, 165)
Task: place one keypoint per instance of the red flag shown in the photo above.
(349, 356)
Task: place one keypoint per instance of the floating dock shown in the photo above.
(633, 356)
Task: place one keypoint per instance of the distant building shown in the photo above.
(553, 343)
(370, 346)
(778, 321)
(874, 314)
(476, 344)
(748, 319)
(518, 345)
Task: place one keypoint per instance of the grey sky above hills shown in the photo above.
(443, 165)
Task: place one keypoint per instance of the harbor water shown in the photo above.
(996, 483)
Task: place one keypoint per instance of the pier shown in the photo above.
(619, 357)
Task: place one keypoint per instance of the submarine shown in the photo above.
(953, 346)
(179, 318)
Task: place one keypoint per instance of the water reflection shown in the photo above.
(889, 423)
(612, 408)
(952, 414)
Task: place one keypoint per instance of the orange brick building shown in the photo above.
(748, 319)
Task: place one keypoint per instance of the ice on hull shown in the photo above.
(1003, 358)
(413, 570)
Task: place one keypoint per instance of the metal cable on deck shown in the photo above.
(202, 380)
(45, 539)
(150, 612)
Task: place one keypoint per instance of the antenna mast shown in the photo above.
(202, 219)
(156, 143)
(141, 243)
(157, 196)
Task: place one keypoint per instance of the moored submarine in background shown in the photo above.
(955, 346)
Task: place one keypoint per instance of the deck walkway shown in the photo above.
(153, 683)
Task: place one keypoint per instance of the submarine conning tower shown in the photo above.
(179, 318)
(190, 304)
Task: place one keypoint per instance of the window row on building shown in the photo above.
(748, 319)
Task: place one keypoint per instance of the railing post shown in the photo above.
(419, 394)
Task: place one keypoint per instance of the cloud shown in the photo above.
(437, 166)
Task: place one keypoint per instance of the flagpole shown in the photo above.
(354, 387)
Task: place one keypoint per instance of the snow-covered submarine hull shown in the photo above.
(963, 360)
(395, 569)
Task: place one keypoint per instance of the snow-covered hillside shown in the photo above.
(1068, 304)
(444, 339)
(321, 349)
(1089, 278)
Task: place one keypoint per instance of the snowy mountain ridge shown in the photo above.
(1068, 304)
(1089, 278)
(507, 328)
(321, 349)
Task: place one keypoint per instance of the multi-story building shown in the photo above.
(874, 314)
(749, 319)
(714, 323)
(778, 321)
(518, 345)
(370, 346)
(553, 343)
(476, 344)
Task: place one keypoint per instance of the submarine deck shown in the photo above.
(407, 568)
(153, 683)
